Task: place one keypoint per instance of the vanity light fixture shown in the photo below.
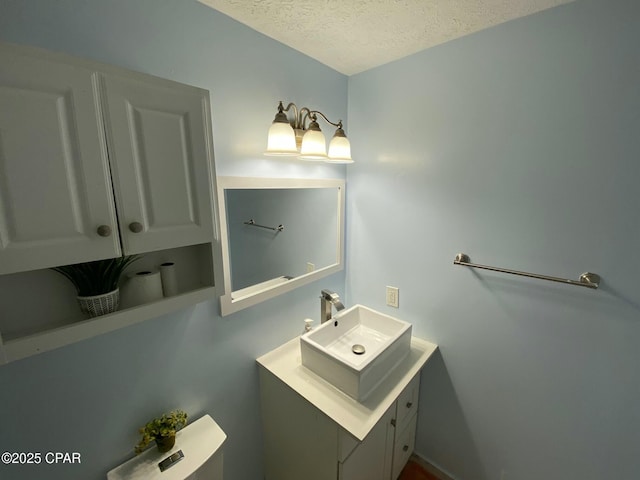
(296, 138)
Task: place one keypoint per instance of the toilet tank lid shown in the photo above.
(199, 441)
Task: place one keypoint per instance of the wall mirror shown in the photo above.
(277, 234)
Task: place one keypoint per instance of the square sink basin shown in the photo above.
(356, 350)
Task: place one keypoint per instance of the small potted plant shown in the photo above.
(97, 283)
(163, 430)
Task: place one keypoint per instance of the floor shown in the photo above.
(413, 471)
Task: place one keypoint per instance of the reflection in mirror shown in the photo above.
(261, 251)
(277, 234)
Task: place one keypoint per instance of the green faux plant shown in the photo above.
(164, 426)
(96, 278)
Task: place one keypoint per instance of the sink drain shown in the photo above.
(358, 349)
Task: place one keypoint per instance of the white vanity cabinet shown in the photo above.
(96, 162)
(313, 431)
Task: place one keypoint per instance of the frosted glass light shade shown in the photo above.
(314, 146)
(281, 140)
(339, 150)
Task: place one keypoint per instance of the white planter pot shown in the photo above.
(100, 304)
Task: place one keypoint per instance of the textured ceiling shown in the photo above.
(354, 35)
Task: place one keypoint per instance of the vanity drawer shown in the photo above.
(407, 405)
(403, 447)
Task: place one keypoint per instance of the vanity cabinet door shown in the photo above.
(372, 458)
(158, 148)
(56, 205)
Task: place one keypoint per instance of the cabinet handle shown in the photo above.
(135, 227)
(405, 448)
(409, 404)
(104, 230)
(393, 422)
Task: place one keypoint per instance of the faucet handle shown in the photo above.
(329, 295)
(327, 300)
(334, 299)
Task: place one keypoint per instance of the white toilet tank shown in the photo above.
(201, 444)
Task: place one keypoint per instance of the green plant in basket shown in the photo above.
(162, 429)
(96, 278)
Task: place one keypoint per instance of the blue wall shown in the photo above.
(91, 397)
(519, 146)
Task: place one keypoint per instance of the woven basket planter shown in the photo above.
(100, 304)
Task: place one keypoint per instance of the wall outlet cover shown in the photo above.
(393, 299)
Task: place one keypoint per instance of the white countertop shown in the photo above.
(356, 418)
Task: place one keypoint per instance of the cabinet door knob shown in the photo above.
(393, 422)
(104, 230)
(135, 227)
(405, 448)
(409, 404)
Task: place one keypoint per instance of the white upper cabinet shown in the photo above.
(78, 144)
(156, 138)
(97, 162)
(55, 188)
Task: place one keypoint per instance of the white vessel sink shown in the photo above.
(330, 349)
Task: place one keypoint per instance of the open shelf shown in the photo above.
(39, 311)
(25, 346)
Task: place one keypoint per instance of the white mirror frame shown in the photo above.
(229, 305)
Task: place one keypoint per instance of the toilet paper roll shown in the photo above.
(142, 287)
(169, 280)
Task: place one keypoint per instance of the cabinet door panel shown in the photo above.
(159, 152)
(55, 188)
(371, 459)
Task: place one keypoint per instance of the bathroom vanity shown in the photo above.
(313, 430)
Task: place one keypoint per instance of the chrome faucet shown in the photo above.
(327, 299)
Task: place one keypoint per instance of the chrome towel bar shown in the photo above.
(587, 279)
(251, 222)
